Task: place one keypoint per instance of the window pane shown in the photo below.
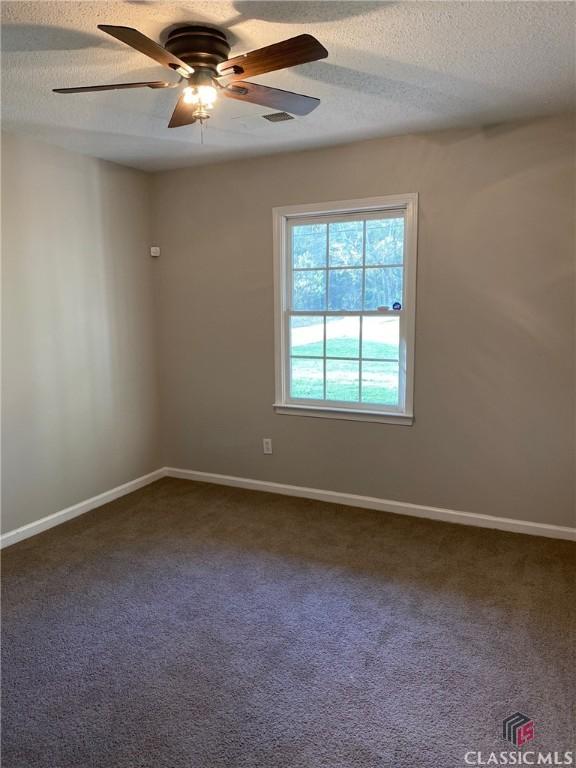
(309, 246)
(345, 289)
(385, 241)
(342, 380)
(381, 337)
(343, 337)
(380, 383)
(346, 243)
(307, 336)
(383, 287)
(307, 378)
(309, 289)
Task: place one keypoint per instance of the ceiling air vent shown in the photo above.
(278, 117)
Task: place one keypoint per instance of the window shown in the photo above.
(345, 308)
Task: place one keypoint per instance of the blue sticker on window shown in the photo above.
(396, 305)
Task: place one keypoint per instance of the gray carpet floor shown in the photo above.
(195, 626)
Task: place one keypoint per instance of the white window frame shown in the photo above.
(404, 414)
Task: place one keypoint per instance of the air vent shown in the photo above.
(278, 117)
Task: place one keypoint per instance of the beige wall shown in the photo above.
(88, 326)
(494, 386)
(79, 375)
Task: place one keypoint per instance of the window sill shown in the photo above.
(343, 413)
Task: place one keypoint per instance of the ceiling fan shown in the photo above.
(199, 54)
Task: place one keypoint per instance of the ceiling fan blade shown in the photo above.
(183, 114)
(288, 53)
(145, 45)
(115, 87)
(284, 101)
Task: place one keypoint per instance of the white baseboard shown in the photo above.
(18, 534)
(383, 505)
(334, 497)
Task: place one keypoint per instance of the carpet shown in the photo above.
(189, 625)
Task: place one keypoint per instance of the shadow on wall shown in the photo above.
(298, 12)
(415, 86)
(285, 12)
(36, 37)
(65, 334)
(79, 381)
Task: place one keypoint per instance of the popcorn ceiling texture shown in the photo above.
(196, 626)
(393, 68)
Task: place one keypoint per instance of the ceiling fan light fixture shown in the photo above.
(202, 95)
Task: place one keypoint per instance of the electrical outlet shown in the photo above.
(267, 444)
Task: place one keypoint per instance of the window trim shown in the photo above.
(281, 216)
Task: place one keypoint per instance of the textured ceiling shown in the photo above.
(393, 67)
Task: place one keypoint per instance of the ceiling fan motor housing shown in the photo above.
(201, 47)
